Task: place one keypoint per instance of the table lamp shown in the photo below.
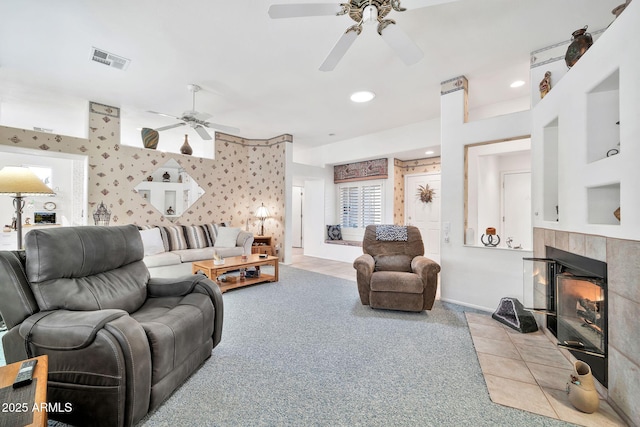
(18, 182)
(262, 213)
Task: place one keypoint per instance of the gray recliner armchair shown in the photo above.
(119, 342)
(393, 272)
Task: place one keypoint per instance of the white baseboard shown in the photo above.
(466, 304)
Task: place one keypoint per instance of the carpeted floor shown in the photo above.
(305, 352)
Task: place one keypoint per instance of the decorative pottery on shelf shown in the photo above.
(166, 177)
(186, 148)
(545, 84)
(150, 138)
(581, 41)
(616, 213)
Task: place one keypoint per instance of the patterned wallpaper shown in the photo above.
(244, 174)
(400, 170)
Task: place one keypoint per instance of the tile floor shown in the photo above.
(343, 270)
(528, 372)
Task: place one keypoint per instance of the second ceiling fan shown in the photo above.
(362, 12)
(195, 119)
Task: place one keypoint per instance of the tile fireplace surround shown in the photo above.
(623, 265)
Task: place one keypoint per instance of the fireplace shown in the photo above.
(571, 290)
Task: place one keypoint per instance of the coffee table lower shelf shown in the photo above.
(236, 263)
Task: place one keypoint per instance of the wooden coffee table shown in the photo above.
(235, 263)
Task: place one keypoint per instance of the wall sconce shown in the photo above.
(20, 181)
(101, 216)
(262, 213)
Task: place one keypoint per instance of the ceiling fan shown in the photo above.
(362, 12)
(197, 120)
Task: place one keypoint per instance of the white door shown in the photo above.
(425, 216)
(516, 209)
(296, 216)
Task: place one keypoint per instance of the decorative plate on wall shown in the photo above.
(49, 206)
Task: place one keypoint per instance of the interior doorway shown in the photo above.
(425, 216)
(296, 213)
(516, 209)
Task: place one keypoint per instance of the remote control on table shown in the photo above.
(25, 374)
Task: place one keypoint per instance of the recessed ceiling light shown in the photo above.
(362, 96)
(517, 83)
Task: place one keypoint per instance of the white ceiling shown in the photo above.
(261, 75)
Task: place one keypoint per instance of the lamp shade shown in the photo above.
(262, 212)
(19, 180)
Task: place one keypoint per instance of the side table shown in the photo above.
(262, 245)
(15, 408)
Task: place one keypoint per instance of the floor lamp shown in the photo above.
(18, 182)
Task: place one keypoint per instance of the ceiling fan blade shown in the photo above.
(417, 4)
(277, 11)
(202, 132)
(338, 51)
(163, 114)
(222, 128)
(403, 46)
(170, 126)
(201, 116)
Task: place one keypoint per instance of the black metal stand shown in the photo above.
(493, 240)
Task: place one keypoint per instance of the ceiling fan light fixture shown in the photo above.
(362, 96)
(370, 15)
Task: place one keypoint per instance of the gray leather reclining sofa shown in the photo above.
(118, 342)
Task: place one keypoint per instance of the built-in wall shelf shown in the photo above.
(603, 118)
(584, 134)
(602, 202)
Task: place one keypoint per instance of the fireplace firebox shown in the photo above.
(571, 290)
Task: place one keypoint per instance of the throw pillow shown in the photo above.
(334, 232)
(152, 241)
(227, 237)
(392, 263)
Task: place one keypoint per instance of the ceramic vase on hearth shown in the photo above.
(581, 388)
(186, 148)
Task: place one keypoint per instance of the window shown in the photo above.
(359, 205)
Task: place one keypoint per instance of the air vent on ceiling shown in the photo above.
(109, 59)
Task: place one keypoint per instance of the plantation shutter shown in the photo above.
(371, 205)
(349, 206)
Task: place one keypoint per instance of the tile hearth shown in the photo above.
(528, 372)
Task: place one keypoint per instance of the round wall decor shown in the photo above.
(49, 206)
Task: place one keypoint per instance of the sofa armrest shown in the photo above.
(158, 287)
(66, 330)
(364, 266)
(428, 271)
(93, 351)
(245, 240)
(424, 267)
(164, 287)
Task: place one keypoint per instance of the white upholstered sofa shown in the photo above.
(166, 246)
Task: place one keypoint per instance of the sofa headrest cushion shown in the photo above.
(80, 251)
(87, 268)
